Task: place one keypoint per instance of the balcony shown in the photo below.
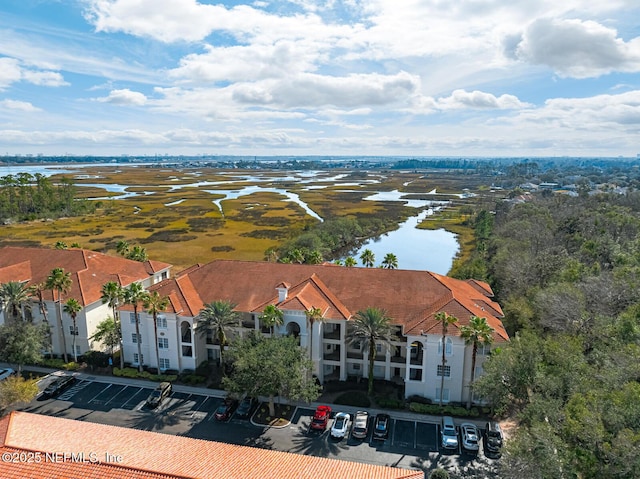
(332, 355)
(331, 334)
(398, 359)
(355, 355)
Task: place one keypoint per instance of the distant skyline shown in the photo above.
(328, 77)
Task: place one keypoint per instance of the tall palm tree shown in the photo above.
(37, 290)
(476, 332)
(217, 317)
(390, 261)
(350, 262)
(313, 314)
(445, 320)
(154, 304)
(113, 294)
(122, 247)
(134, 294)
(72, 307)
(370, 327)
(60, 281)
(367, 258)
(138, 253)
(14, 295)
(271, 317)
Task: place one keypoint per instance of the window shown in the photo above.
(164, 363)
(78, 350)
(73, 331)
(356, 367)
(484, 349)
(163, 343)
(447, 371)
(187, 351)
(132, 318)
(135, 358)
(134, 338)
(449, 347)
(445, 395)
(162, 322)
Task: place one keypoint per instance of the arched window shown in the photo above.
(185, 332)
(449, 347)
(293, 329)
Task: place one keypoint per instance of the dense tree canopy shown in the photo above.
(567, 272)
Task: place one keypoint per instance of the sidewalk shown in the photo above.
(218, 393)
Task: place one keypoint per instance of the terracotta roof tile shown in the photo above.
(146, 454)
(20, 272)
(89, 269)
(411, 298)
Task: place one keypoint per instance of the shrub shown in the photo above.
(419, 399)
(97, 359)
(390, 403)
(52, 363)
(353, 398)
(448, 410)
(439, 474)
(71, 366)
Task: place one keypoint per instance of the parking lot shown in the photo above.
(410, 443)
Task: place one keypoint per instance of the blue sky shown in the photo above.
(326, 77)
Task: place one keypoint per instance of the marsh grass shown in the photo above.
(250, 224)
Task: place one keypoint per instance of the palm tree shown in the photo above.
(72, 307)
(217, 317)
(60, 245)
(154, 304)
(271, 317)
(350, 262)
(112, 294)
(13, 295)
(138, 253)
(390, 261)
(476, 332)
(122, 247)
(135, 294)
(313, 314)
(370, 327)
(37, 290)
(445, 320)
(314, 257)
(60, 281)
(108, 334)
(368, 258)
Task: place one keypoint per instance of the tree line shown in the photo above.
(567, 272)
(28, 197)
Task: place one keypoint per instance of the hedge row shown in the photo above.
(134, 373)
(448, 410)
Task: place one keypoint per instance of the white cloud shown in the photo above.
(575, 48)
(44, 78)
(10, 72)
(478, 100)
(18, 105)
(124, 97)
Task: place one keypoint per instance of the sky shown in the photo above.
(320, 77)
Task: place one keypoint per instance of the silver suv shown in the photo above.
(448, 433)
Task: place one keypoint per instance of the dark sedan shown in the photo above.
(225, 410)
(381, 426)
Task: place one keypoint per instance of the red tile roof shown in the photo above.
(411, 298)
(89, 269)
(151, 455)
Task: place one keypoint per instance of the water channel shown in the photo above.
(416, 249)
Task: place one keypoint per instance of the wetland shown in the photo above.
(185, 216)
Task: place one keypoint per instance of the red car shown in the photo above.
(225, 410)
(321, 418)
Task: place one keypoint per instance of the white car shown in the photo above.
(470, 437)
(5, 373)
(340, 425)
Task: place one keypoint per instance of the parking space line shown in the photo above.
(134, 395)
(94, 397)
(116, 395)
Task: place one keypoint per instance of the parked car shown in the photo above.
(493, 437)
(58, 385)
(225, 410)
(381, 426)
(470, 437)
(246, 406)
(5, 373)
(340, 425)
(158, 394)
(321, 418)
(360, 425)
(448, 433)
